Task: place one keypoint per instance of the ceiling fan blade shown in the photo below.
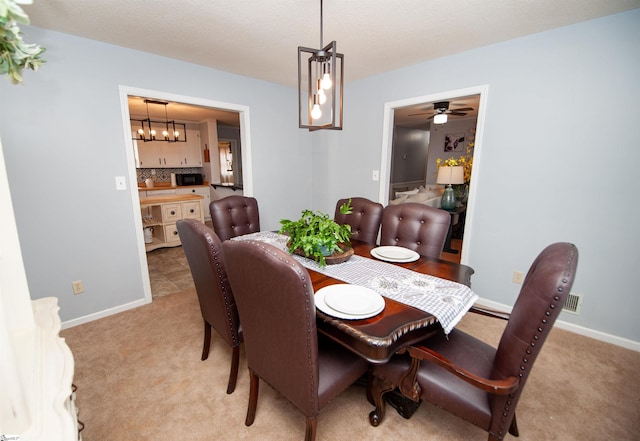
(455, 112)
(416, 114)
(463, 109)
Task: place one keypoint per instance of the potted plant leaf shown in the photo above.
(317, 236)
(15, 54)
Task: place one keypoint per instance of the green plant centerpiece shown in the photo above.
(316, 235)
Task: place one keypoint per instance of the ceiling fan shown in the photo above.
(442, 108)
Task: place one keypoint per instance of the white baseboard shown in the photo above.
(102, 314)
(577, 329)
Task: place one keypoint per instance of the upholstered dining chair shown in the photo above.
(234, 216)
(364, 219)
(471, 379)
(277, 310)
(203, 250)
(418, 227)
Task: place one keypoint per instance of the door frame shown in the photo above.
(245, 140)
(387, 149)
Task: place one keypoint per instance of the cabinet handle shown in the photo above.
(173, 212)
(192, 211)
(159, 161)
(175, 232)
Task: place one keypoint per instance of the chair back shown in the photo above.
(364, 220)
(234, 216)
(277, 310)
(415, 226)
(542, 296)
(203, 250)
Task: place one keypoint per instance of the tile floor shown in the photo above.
(168, 271)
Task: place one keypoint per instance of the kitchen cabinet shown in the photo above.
(160, 214)
(206, 198)
(162, 154)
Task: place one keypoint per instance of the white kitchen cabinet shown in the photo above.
(160, 214)
(162, 154)
(206, 198)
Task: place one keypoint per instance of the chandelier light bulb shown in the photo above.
(322, 97)
(316, 112)
(326, 81)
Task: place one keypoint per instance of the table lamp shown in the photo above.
(448, 176)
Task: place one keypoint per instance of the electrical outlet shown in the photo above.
(518, 277)
(375, 175)
(77, 287)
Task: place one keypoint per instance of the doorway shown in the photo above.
(245, 141)
(423, 104)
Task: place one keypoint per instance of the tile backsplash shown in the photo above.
(163, 174)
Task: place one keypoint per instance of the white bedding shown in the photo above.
(431, 197)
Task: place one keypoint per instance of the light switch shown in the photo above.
(121, 183)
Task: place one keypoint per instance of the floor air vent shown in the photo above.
(573, 303)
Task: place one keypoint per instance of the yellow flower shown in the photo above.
(465, 161)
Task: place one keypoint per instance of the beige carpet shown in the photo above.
(140, 377)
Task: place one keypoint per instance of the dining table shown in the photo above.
(405, 319)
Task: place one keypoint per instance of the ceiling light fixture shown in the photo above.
(170, 131)
(440, 118)
(320, 84)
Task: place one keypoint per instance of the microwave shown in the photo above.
(183, 179)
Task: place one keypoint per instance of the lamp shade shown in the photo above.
(440, 118)
(450, 175)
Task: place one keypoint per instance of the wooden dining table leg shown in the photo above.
(376, 390)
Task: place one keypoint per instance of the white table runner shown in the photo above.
(448, 301)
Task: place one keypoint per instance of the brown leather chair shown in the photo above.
(283, 348)
(364, 220)
(471, 379)
(418, 227)
(217, 304)
(234, 216)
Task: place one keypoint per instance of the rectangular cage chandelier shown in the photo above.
(320, 85)
(154, 130)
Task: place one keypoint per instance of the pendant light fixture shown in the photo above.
(320, 85)
(151, 130)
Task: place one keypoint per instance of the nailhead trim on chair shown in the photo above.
(536, 337)
(225, 294)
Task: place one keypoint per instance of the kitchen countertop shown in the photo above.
(167, 186)
(170, 198)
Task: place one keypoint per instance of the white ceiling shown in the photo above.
(259, 38)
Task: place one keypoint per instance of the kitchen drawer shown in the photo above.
(171, 212)
(171, 234)
(191, 210)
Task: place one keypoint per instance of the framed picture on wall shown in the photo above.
(454, 142)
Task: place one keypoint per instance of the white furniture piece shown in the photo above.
(161, 213)
(206, 198)
(36, 365)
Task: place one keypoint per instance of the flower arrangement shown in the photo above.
(15, 54)
(465, 161)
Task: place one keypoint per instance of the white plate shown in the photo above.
(394, 254)
(350, 302)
